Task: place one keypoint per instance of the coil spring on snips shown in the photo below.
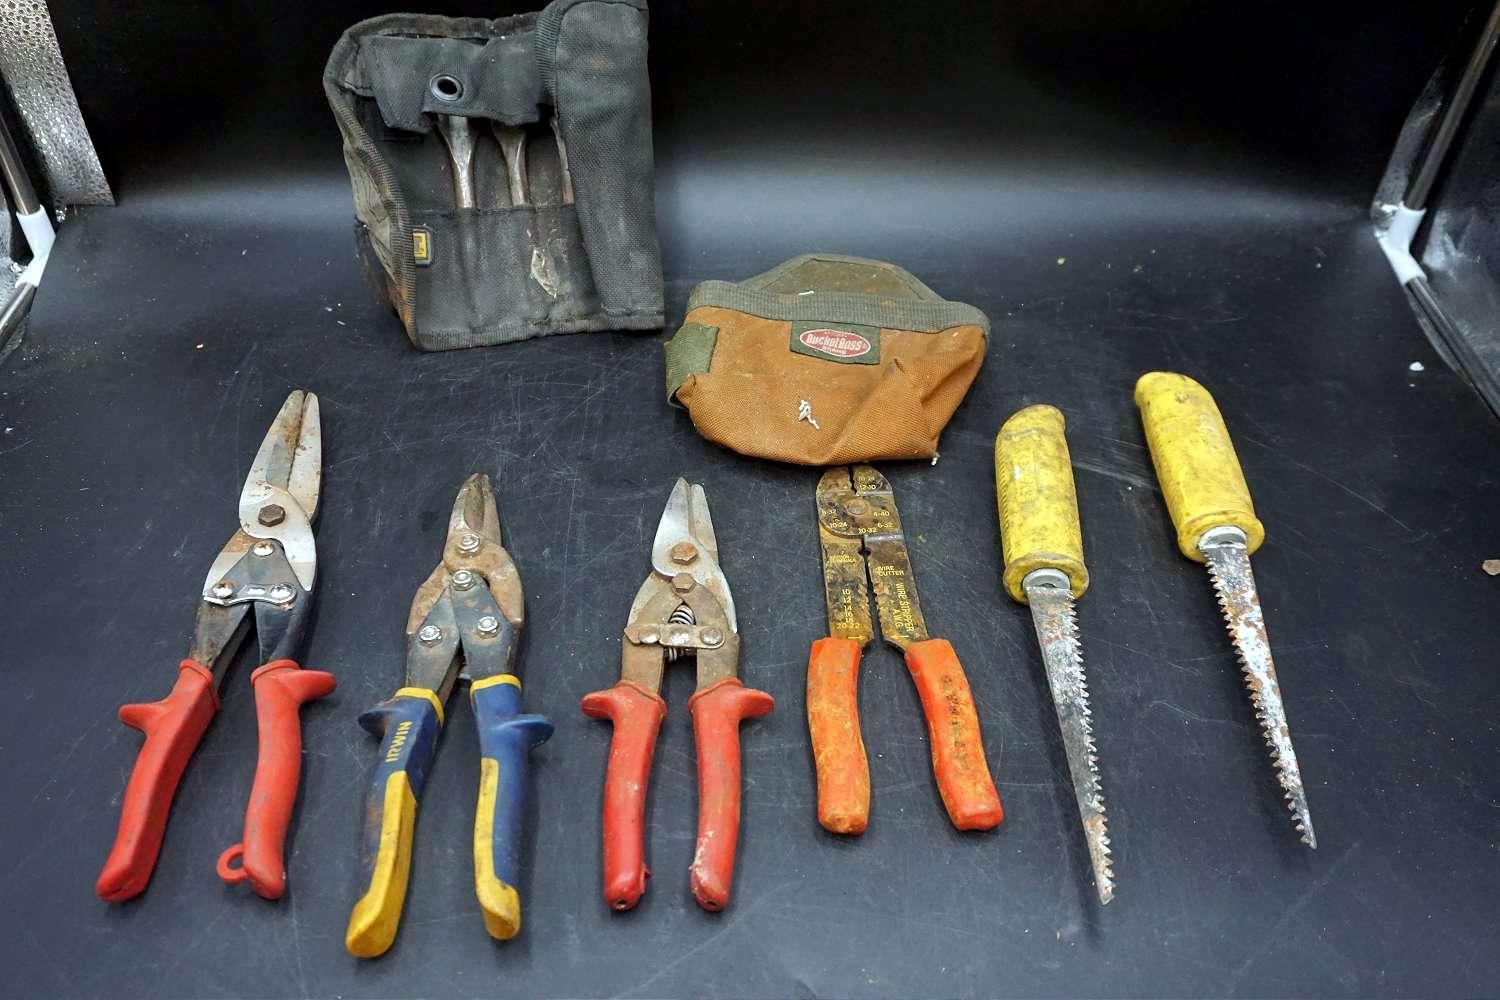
(682, 615)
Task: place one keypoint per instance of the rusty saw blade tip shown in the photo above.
(1265, 693)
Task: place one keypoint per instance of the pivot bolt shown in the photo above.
(282, 593)
(223, 590)
(857, 507)
(463, 580)
(263, 548)
(429, 634)
(683, 582)
(271, 515)
(468, 543)
(684, 553)
(488, 625)
(712, 637)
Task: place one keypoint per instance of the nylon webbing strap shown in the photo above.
(839, 307)
(689, 352)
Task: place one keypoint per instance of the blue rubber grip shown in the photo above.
(408, 726)
(506, 739)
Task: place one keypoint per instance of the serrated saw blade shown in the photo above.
(1057, 632)
(1229, 567)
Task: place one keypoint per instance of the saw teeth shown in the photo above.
(1071, 698)
(1287, 773)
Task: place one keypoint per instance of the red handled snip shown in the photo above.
(268, 567)
(683, 608)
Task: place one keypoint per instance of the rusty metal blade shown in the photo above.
(305, 479)
(687, 519)
(901, 621)
(846, 588)
(280, 494)
(475, 511)
(273, 460)
(1062, 654)
(888, 562)
(1229, 567)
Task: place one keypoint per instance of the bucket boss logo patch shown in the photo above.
(846, 343)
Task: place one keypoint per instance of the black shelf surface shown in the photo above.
(170, 328)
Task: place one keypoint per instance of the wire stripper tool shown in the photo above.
(860, 532)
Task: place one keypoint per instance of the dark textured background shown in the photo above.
(1155, 184)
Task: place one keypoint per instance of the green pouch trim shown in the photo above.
(770, 296)
(688, 353)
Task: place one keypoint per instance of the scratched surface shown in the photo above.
(134, 409)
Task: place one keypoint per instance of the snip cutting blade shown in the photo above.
(1057, 632)
(1229, 567)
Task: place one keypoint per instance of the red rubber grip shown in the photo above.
(958, 763)
(281, 687)
(717, 713)
(173, 727)
(636, 714)
(838, 748)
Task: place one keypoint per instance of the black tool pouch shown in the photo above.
(559, 239)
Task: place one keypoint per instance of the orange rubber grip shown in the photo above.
(173, 727)
(281, 687)
(838, 748)
(636, 714)
(717, 713)
(963, 775)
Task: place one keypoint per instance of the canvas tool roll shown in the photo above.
(502, 170)
(825, 360)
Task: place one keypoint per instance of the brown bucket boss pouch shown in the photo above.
(825, 360)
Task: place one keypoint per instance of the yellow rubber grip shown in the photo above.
(1038, 501)
(373, 922)
(498, 901)
(1196, 466)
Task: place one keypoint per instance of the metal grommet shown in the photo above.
(446, 88)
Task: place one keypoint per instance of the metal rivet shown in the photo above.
(468, 542)
(271, 514)
(684, 553)
(683, 582)
(649, 636)
(488, 625)
(857, 507)
(446, 88)
(712, 637)
(281, 593)
(429, 634)
(463, 580)
(223, 589)
(263, 548)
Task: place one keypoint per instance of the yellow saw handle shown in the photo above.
(1196, 466)
(1038, 502)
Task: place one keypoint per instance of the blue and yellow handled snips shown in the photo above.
(468, 612)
